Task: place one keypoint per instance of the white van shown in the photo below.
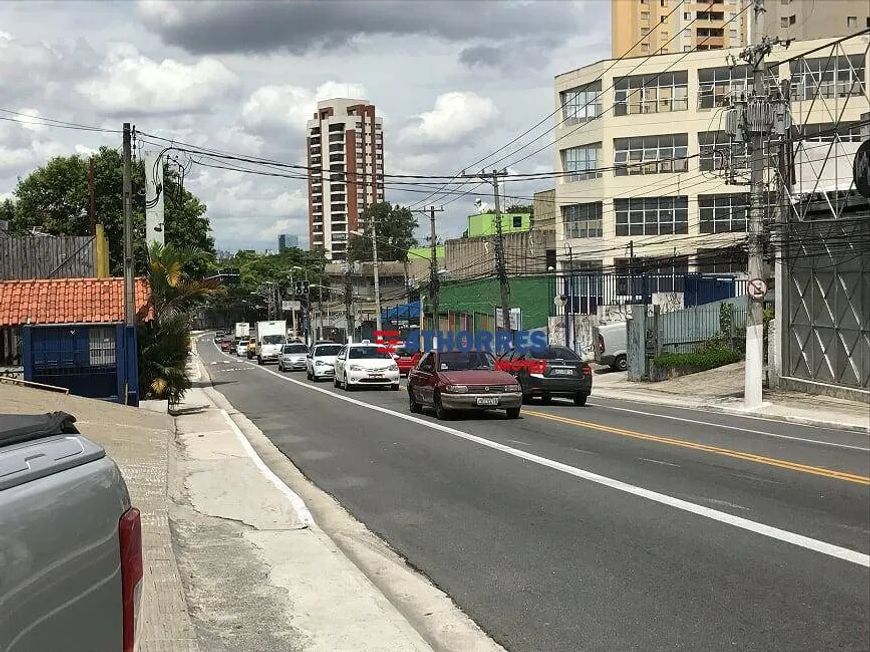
(610, 345)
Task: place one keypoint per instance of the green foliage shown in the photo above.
(520, 208)
(709, 358)
(54, 198)
(7, 210)
(396, 225)
(726, 319)
(163, 340)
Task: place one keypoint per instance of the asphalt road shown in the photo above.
(615, 526)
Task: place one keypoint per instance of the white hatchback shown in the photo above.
(359, 365)
(320, 363)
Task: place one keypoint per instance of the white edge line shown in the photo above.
(769, 531)
(298, 504)
(721, 425)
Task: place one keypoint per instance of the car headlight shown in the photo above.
(456, 389)
(512, 388)
(393, 367)
(318, 363)
(355, 367)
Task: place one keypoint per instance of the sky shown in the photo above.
(453, 82)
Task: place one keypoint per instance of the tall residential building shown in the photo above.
(346, 143)
(287, 241)
(640, 153)
(812, 19)
(671, 26)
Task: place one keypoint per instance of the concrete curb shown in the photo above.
(642, 397)
(426, 608)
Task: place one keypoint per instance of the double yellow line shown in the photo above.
(716, 450)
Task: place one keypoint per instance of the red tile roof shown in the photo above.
(67, 301)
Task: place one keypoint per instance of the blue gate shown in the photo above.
(93, 360)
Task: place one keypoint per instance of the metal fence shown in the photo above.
(721, 323)
(583, 293)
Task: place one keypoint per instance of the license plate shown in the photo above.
(376, 375)
(487, 400)
(563, 372)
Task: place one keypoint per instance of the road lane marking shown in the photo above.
(799, 540)
(646, 459)
(727, 452)
(720, 425)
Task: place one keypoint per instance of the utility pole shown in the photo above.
(127, 190)
(434, 280)
(500, 267)
(348, 300)
(753, 119)
(375, 271)
(92, 211)
(154, 196)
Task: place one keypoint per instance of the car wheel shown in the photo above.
(513, 413)
(335, 381)
(348, 387)
(395, 387)
(259, 360)
(441, 412)
(580, 398)
(620, 364)
(415, 407)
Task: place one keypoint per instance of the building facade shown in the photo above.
(345, 146)
(642, 153)
(669, 26)
(804, 20)
(287, 241)
(486, 224)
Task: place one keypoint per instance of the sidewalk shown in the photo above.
(140, 442)
(721, 390)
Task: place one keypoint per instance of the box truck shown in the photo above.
(271, 336)
(243, 329)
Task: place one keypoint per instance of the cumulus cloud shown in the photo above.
(133, 84)
(456, 115)
(301, 26)
(271, 109)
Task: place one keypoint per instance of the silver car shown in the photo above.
(292, 357)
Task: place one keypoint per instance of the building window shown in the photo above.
(714, 84)
(644, 48)
(851, 21)
(845, 132)
(723, 213)
(644, 31)
(652, 215)
(730, 260)
(663, 19)
(651, 154)
(582, 220)
(664, 36)
(517, 221)
(687, 15)
(659, 93)
(830, 77)
(581, 162)
(582, 103)
(644, 15)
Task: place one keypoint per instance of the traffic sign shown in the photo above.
(757, 289)
(291, 305)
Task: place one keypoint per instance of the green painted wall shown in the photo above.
(426, 252)
(530, 293)
(484, 223)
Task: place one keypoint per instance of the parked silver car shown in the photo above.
(292, 357)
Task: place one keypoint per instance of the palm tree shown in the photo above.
(164, 322)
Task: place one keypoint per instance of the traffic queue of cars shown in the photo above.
(445, 381)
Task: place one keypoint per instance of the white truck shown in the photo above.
(271, 337)
(243, 329)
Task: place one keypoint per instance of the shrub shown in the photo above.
(700, 360)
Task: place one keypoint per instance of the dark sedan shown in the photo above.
(545, 373)
(458, 380)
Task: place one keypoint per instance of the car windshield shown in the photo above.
(295, 348)
(368, 352)
(329, 349)
(273, 339)
(402, 352)
(554, 353)
(464, 361)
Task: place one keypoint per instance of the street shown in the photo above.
(614, 526)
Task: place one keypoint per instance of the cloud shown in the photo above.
(456, 115)
(275, 109)
(301, 26)
(132, 84)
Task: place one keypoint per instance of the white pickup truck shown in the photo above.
(70, 542)
(271, 336)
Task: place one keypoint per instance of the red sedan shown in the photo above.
(406, 359)
(458, 380)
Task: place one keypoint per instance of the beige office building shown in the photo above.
(619, 122)
(345, 140)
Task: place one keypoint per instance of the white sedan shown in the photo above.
(320, 363)
(242, 348)
(358, 365)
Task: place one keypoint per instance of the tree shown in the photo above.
(396, 225)
(7, 210)
(163, 340)
(54, 198)
(520, 208)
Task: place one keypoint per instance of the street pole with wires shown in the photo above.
(375, 271)
(348, 300)
(500, 267)
(127, 205)
(434, 280)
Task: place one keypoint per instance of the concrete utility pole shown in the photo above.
(375, 271)
(92, 211)
(154, 194)
(348, 301)
(500, 267)
(127, 205)
(434, 280)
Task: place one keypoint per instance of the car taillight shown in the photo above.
(587, 370)
(130, 536)
(600, 343)
(538, 367)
